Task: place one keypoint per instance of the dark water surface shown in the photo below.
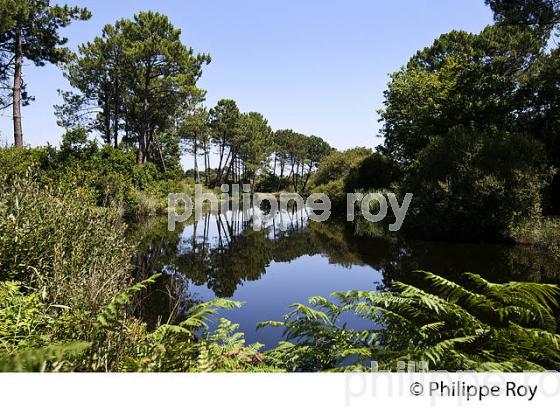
(269, 269)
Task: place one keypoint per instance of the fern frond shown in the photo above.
(109, 314)
(202, 314)
(49, 358)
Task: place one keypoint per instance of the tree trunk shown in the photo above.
(140, 155)
(254, 182)
(195, 154)
(306, 180)
(206, 165)
(219, 170)
(222, 169)
(18, 132)
(230, 167)
(293, 175)
(145, 134)
(116, 118)
(300, 179)
(142, 149)
(106, 120)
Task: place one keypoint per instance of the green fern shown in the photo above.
(52, 358)
(110, 314)
(480, 326)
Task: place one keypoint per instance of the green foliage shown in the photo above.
(272, 183)
(254, 144)
(336, 192)
(73, 252)
(477, 326)
(14, 162)
(493, 178)
(333, 172)
(375, 172)
(73, 309)
(39, 22)
(543, 122)
(71, 340)
(194, 132)
(545, 234)
(462, 79)
(138, 73)
(297, 156)
(470, 127)
(109, 175)
(30, 31)
(52, 324)
(52, 358)
(339, 164)
(469, 97)
(27, 341)
(23, 319)
(537, 14)
(182, 348)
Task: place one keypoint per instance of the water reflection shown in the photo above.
(222, 256)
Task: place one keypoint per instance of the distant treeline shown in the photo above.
(135, 87)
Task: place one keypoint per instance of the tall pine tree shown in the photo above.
(31, 32)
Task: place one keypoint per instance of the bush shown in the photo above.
(70, 308)
(375, 172)
(110, 175)
(23, 319)
(338, 165)
(60, 243)
(15, 162)
(471, 185)
(76, 340)
(272, 183)
(335, 191)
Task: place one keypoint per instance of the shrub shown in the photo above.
(23, 319)
(110, 175)
(59, 242)
(377, 171)
(76, 340)
(471, 185)
(335, 191)
(15, 162)
(338, 165)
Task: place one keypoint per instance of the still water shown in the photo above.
(291, 259)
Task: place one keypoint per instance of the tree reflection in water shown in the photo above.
(223, 251)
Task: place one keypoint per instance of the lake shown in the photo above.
(291, 259)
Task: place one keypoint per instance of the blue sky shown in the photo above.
(316, 66)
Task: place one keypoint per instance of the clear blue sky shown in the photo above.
(316, 66)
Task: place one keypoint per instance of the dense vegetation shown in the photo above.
(481, 326)
(110, 176)
(67, 301)
(470, 126)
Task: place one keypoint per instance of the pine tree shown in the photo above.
(31, 32)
